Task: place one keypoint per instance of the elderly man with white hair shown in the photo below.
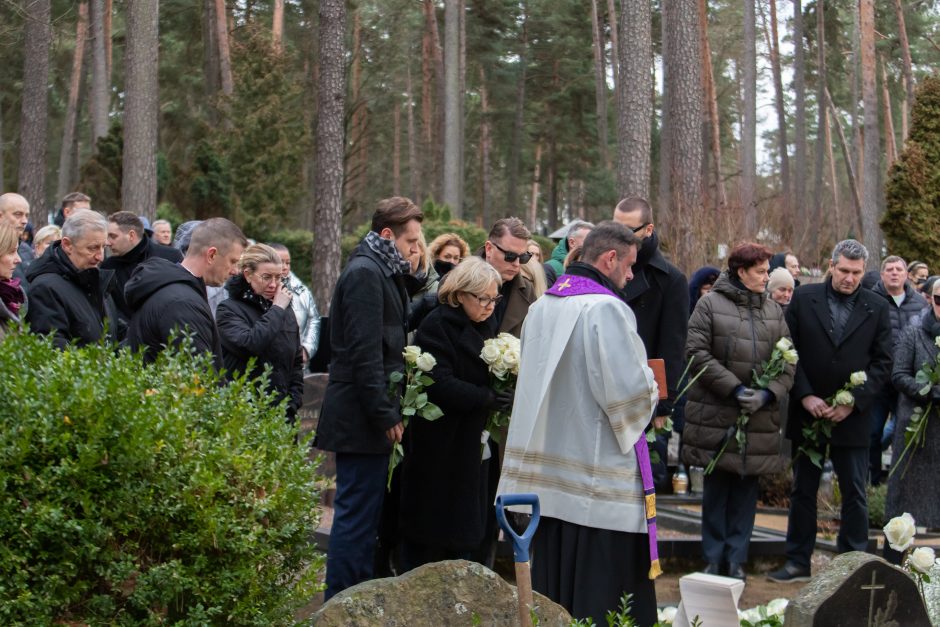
(69, 295)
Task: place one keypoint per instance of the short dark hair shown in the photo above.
(394, 213)
(747, 255)
(607, 235)
(217, 232)
(127, 222)
(509, 226)
(635, 203)
(70, 199)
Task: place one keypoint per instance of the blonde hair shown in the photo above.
(9, 239)
(49, 232)
(257, 254)
(448, 239)
(424, 261)
(471, 276)
(537, 274)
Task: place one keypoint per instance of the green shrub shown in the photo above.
(876, 505)
(135, 495)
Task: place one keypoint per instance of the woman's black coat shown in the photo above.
(442, 500)
(250, 326)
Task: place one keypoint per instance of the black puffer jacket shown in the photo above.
(124, 266)
(69, 303)
(164, 296)
(901, 316)
(733, 331)
(251, 326)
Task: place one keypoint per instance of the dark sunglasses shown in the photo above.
(510, 256)
(640, 228)
(936, 299)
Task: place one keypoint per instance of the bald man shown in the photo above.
(14, 210)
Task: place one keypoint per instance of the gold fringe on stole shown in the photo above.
(650, 506)
(655, 570)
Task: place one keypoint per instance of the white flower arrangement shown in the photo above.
(501, 355)
(900, 532)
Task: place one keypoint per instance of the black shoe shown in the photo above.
(790, 573)
(712, 569)
(736, 571)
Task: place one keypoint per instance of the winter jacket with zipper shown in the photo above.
(69, 303)
(251, 326)
(124, 266)
(732, 333)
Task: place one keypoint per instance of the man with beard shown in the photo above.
(659, 297)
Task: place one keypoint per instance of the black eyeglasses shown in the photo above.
(486, 301)
(640, 228)
(510, 256)
(936, 299)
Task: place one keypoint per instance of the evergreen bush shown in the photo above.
(155, 495)
(911, 222)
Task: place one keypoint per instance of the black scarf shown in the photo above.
(840, 308)
(645, 251)
(386, 249)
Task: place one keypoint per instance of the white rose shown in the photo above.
(937, 341)
(784, 344)
(510, 360)
(411, 354)
(490, 352)
(858, 378)
(426, 362)
(900, 532)
(923, 558)
(498, 371)
(844, 397)
(790, 356)
(667, 615)
(777, 607)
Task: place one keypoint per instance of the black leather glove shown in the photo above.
(504, 400)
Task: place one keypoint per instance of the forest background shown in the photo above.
(292, 117)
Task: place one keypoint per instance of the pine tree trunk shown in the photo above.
(600, 84)
(782, 144)
(396, 148)
(414, 172)
(34, 120)
(225, 55)
(71, 111)
(891, 142)
(614, 42)
(847, 158)
(665, 128)
(355, 163)
(635, 101)
(515, 148)
(330, 145)
(536, 177)
(3, 184)
(711, 103)
(277, 25)
(858, 150)
(427, 117)
(871, 185)
(141, 108)
(816, 218)
(905, 64)
(100, 98)
(453, 141)
(485, 208)
(749, 126)
(462, 102)
(833, 181)
(799, 130)
(436, 148)
(212, 74)
(108, 14)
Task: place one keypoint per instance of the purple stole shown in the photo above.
(570, 285)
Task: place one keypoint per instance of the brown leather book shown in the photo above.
(658, 366)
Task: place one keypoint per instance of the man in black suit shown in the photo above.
(838, 329)
(359, 419)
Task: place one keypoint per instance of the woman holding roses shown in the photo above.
(733, 332)
(915, 475)
(443, 500)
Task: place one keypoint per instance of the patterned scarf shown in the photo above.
(386, 249)
(12, 295)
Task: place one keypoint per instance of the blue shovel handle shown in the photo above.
(520, 544)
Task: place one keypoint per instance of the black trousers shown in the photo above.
(729, 503)
(588, 570)
(851, 465)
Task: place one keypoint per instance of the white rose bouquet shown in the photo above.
(820, 428)
(915, 435)
(900, 532)
(414, 401)
(783, 355)
(501, 355)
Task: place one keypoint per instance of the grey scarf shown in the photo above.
(386, 249)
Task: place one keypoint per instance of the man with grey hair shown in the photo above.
(838, 329)
(14, 210)
(904, 304)
(69, 295)
(162, 232)
(573, 238)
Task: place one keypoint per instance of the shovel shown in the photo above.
(520, 548)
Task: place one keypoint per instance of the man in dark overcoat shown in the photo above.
(360, 419)
(838, 329)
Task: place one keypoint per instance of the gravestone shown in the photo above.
(859, 590)
(453, 592)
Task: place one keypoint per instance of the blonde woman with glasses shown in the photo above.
(258, 321)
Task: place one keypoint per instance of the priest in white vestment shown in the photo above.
(576, 438)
